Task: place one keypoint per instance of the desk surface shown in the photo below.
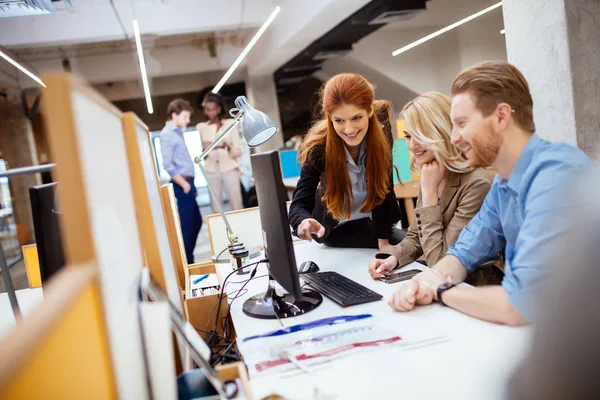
(27, 298)
(474, 364)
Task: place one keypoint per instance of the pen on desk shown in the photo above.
(203, 277)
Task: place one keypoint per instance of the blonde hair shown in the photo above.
(429, 118)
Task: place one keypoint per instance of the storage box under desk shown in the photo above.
(198, 309)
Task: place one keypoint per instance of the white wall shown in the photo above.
(432, 65)
(555, 45)
(481, 40)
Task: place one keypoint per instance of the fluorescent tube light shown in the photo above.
(140, 52)
(23, 69)
(446, 29)
(237, 62)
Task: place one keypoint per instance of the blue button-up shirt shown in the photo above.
(529, 215)
(175, 155)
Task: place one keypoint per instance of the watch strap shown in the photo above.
(441, 289)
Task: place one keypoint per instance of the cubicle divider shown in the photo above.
(98, 224)
(148, 208)
(87, 337)
(200, 311)
(61, 349)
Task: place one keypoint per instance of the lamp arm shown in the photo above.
(218, 140)
(230, 235)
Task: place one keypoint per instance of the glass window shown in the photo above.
(194, 145)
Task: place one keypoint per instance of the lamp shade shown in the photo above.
(257, 127)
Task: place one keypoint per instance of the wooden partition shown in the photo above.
(61, 350)
(98, 224)
(150, 216)
(175, 238)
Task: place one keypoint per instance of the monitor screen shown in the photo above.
(276, 233)
(47, 229)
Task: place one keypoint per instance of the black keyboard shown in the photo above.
(340, 289)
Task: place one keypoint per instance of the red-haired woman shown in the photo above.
(345, 195)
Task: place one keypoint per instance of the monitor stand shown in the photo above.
(270, 305)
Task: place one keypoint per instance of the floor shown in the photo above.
(201, 253)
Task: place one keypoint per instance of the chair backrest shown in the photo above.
(98, 223)
(148, 207)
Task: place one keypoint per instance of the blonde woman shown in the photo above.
(451, 192)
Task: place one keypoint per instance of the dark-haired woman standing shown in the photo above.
(221, 166)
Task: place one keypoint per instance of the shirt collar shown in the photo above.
(361, 154)
(174, 127)
(514, 181)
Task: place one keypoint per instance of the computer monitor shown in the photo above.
(278, 245)
(47, 229)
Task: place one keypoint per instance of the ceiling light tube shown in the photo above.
(22, 68)
(140, 53)
(446, 29)
(237, 62)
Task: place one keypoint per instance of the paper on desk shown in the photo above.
(210, 281)
(315, 342)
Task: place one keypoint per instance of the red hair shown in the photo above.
(355, 90)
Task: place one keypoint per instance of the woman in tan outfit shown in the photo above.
(222, 169)
(451, 192)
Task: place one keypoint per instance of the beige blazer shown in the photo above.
(224, 157)
(436, 228)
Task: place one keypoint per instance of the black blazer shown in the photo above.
(306, 201)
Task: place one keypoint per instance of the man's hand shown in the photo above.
(308, 226)
(431, 278)
(378, 267)
(409, 294)
(186, 187)
(432, 175)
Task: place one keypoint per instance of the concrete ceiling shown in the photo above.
(187, 43)
(181, 38)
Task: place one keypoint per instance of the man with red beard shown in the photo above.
(532, 209)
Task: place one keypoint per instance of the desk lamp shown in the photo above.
(257, 128)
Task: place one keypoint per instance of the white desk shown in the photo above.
(475, 364)
(27, 298)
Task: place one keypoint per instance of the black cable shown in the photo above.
(246, 280)
(237, 291)
(275, 311)
(252, 274)
(218, 304)
(227, 318)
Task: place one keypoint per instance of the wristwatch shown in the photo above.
(441, 289)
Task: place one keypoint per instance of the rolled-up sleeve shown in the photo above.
(482, 238)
